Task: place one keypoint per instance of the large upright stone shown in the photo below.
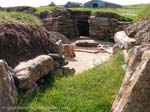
(134, 95)
(69, 50)
(7, 89)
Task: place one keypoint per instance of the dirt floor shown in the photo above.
(88, 57)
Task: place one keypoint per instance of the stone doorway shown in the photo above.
(83, 27)
(95, 5)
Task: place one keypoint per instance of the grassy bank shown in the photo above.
(18, 16)
(145, 12)
(134, 12)
(91, 91)
(47, 9)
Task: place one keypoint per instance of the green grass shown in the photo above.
(134, 12)
(120, 11)
(145, 12)
(91, 91)
(47, 9)
(18, 16)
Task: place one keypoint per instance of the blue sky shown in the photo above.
(36, 3)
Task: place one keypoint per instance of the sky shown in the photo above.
(36, 3)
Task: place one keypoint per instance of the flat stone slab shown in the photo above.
(84, 61)
(88, 57)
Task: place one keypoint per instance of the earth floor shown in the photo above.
(88, 57)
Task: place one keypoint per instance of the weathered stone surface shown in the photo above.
(87, 44)
(80, 23)
(69, 50)
(104, 25)
(59, 21)
(59, 61)
(68, 71)
(123, 41)
(59, 36)
(27, 73)
(51, 24)
(105, 48)
(139, 31)
(59, 48)
(8, 91)
(115, 48)
(65, 71)
(134, 95)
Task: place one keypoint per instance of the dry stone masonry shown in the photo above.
(100, 25)
(59, 21)
(82, 23)
(104, 25)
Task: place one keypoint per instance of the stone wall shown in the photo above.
(59, 21)
(51, 24)
(80, 20)
(104, 25)
(80, 23)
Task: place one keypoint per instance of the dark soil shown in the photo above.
(22, 41)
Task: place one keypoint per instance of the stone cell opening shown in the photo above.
(95, 5)
(83, 27)
(81, 19)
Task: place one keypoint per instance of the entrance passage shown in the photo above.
(95, 5)
(83, 27)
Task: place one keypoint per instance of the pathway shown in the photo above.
(88, 57)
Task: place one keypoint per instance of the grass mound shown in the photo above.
(21, 41)
(18, 16)
(145, 12)
(47, 9)
(134, 12)
(91, 91)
